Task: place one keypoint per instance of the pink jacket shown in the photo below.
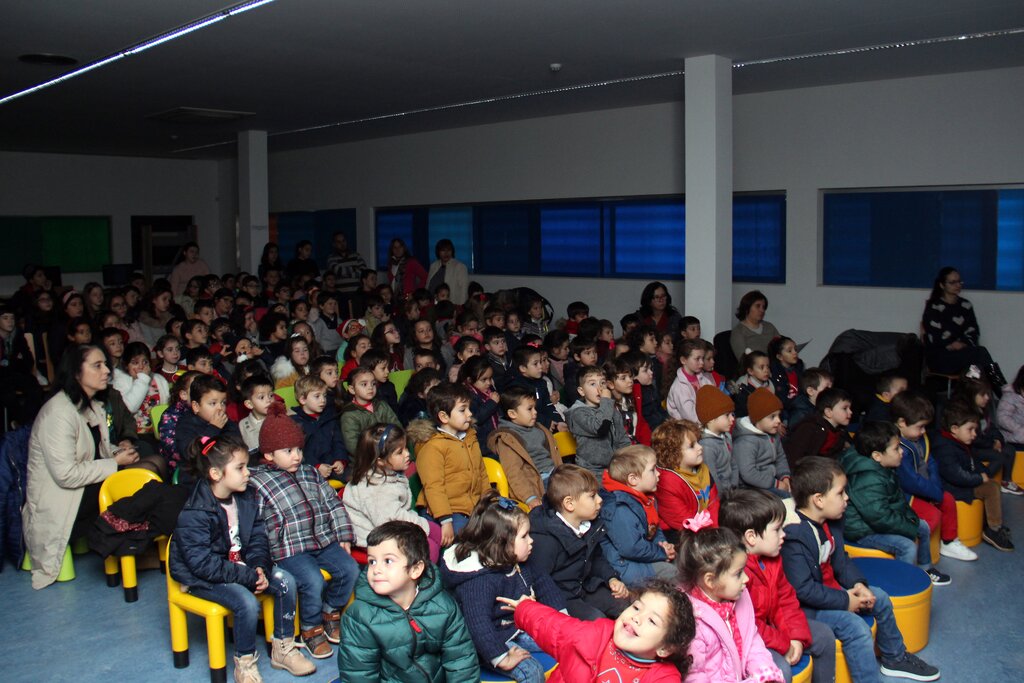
(715, 659)
(682, 398)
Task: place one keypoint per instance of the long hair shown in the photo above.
(491, 531)
(69, 373)
(376, 442)
(648, 295)
(708, 551)
(940, 278)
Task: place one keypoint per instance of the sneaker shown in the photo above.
(1011, 488)
(332, 626)
(998, 539)
(284, 655)
(316, 642)
(957, 551)
(246, 670)
(937, 577)
(909, 666)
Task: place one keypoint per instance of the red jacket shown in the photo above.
(677, 501)
(577, 645)
(643, 430)
(776, 608)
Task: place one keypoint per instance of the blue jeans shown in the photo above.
(246, 607)
(822, 650)
(305, 567)
(855, 635)
(901, 547)
(529, 670)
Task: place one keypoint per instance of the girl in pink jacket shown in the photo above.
(727, 647)
(681, 401)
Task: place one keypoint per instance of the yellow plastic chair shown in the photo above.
(1018, 469)
(861, 551)
(400, 378)
(155, 414)
(122, 485)
(180, 602)
(287, 394)
(970, 519)
(842, 670)
(496, 475)
(566, 443)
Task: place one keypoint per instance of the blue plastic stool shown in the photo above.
(546, 660)
(802, 670)
(909, 589)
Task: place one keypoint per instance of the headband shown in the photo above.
(382, 439)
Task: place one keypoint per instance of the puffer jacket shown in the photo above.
(524, 480)
(576, 565)
(714, 653)
(877, 504)
(324, 445)
(626, 546)
(776, 608)
(452, 473)
(377, 499)
(429, 642)
(759, 456)
(1010, 415)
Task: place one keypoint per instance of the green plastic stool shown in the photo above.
(67, 567)
(80, 546)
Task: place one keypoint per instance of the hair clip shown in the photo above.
(973, 372)
(699, 521)
(208, 443)
(382, 439)
(506, 503)
(535, 344)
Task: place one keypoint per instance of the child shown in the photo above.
(888, 387)
(878, 515)
(489, 562)
(145, 390)
(201, 360)
(830, 587)
(635, 545)
(826, 432)
(450, 465)
(665, 352)
(208, 417)
(715, 412)
(465, 348)
(402, 620)
(530, 365)
(536, 319)
(1010, 420)
(689, 327)
(556, 343)
(990, 446)
(365, 409)
(786, 368)
(324, 448)
(685, 486)
(757, 373)
(682, 396)
(593, 421)
(292, 365)
(584, 355)
(716, 378)
(375, 312)
(576, 312)
(413, 404)
(496, 347)
(727, 647)
(813, 382)
(169, 422)
(513, 329)
(220, 553)
(378, 491)
(476, 375)
(168, 351)
(308, 530)
(377, 362)
(525, 447)
(357, 346)
(618, 377)
(757, 449)
(257, 395)
(647, 642)
(638, 367)
(194, 333)
(566, 533)
(757, 518)
(964, 475)
(919, 473)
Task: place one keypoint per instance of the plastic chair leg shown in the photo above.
(129, 578)
(217, 649)
(112, 571)
(179, 636)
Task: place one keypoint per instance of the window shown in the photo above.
(650, 238)
(456, 224)
(77, 244)
(759, 238)
(901, 239)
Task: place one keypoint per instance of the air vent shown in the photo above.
(199, 115)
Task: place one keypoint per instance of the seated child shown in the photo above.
(635, 546)
(402, 620)
(727, 647)
(566, 534)
(813, 382)
(786, 369)
(826, 432)
(757, 373)
(888, 387)
(201, 360)
(495, 348)
(878, 515)
(685, 486)
(636, 366)
(756, 445)
(990, 446)
(525, 448)
(208, 417)
(145, 389)
(355, 349)
(377, 362)
(689, 327)
(529, 364)
(257, 394)
(450, 465)
(326, 368)
(757, 518)
(598, 429)
(964, 475)
(476, 375)
(717, 379)
(169, 421)
(378, 491)
(618, 377)
(324, 448)
(465, 348)
(308, 530)
(715, 413)
(682, 395)
(575, 313)
(647, 642)
(536, 320)
(168, 353)
(556, 343)
(221, 553)
(830, 587)
(583, 351)
(487, 563)
(365, 409)
(413, 404)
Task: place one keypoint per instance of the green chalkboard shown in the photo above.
(77, 244)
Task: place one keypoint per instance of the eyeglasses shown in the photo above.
(953, 283)
(660, 297)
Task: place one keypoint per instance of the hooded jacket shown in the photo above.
(714, 653)
(682, 397)
(576, 564)
(759, 456)
(452, 473)
(524, 480)
(877, 504)
(919, 471)
(718, 454)
(776, 608)
(959, 469)
(627, 545)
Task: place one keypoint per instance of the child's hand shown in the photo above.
(512, 603)
(618, 589)
(555, 396)
(261, 580)
(782, 430)
(561, 427)
(516, 655)
(606, 392)
(784, 484)
(447, 534)
(670, 550)
(984, 478)
(867, 597)
(256, 351)
(338, 467)
(220, 420)
(324, 470)
(535, 503)
(795, 652)
(492, 396)
(346, 546)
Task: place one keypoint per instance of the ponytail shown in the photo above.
(206, 453)
(704, 549)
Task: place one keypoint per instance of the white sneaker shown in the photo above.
(1011, 488)
(957, 551)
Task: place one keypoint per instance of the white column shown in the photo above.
(708, 83)
(253, 198)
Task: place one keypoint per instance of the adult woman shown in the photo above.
(753, 332)
(450, 271)
(270, 260)
(69, 455)
(154, 319)
(657, 311)
(187, 266)
(951, 331)
(405, 274)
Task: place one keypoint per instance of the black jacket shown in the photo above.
(577, 565)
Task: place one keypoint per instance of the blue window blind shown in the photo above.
(316, 226)
(650, 238)
(392, 223)
(455, 224)
(759, 238)
(570, 242)
(1010, 241)
(504, 238)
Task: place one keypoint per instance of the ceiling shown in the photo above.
(297, 64)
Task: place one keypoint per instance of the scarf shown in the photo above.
(700, 482)
(646, 502)
(727, 611)
(398, 284)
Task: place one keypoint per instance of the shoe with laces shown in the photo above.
(316, 642)
(911, 667)
(1011, 488)
(284, 655)
(246, 670)
(998, 539)
(332, 626)
(957, 551)
(937, 577)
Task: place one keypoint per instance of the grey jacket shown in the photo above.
(760, 457)
(718, 454)
(599, 432)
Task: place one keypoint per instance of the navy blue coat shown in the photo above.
(576, 565)
(324, 444)
(959, 468)
(800, 563)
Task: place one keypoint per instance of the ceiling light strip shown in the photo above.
(178, 32)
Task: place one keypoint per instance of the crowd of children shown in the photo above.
(662, 548)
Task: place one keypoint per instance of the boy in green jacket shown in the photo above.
(878, 515)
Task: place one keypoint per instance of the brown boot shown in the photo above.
(316, 643)
(332, 626)
(246, 670)
(284, 655)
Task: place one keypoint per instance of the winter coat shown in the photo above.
(483, 410)
(576, 565)
(642, 433)
(476, 587)
(546, 413)
(60, 464)
(682, 397)
(877, 504)
(324, 445)
(780, 379)
(428, 643)
(456, 276)
(578, 646)
(800, 562)
(156, 506)
(452, 473)
(1010, 415)
(626, 546)
(355, 418)
(379, 499)
(715, 658)
(650, 405)
(959, 468)
(919, 471)
(199, 550)
(599, 433)
(810, 436)
(800, 410)
(524, 481)
(718, 454)
(13, 467)
(168, 432)
(326, 336)
(776, 607)
(677, 501)
(759, 456)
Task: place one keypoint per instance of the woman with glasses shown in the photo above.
(951, 331)
(656, 309)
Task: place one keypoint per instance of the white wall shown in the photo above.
(955, 129)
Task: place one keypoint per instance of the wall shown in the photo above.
(952, 129)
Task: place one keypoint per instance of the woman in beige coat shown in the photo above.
(65, 463)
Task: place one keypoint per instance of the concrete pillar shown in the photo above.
(708, 126)
(253, 198)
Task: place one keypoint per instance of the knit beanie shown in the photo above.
(712, 402)
(762, 403)
(279, 431)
